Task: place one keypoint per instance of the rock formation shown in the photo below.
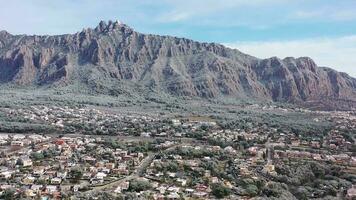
(114, 53)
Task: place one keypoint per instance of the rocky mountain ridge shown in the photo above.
(113, 54)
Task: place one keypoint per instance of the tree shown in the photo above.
(37, 156)
(172, 167)
(76, 175)
(8, 194)
(252, 190)
(301, 193)
(139, 185)
(220, 191)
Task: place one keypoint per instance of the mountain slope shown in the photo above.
(113, 55)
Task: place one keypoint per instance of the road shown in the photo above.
(136, 174)
(269, 150)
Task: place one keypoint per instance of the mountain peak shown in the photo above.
(110, 25)
(4, 33)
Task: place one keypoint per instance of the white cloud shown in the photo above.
(184, 10)
(174, 16)
(338, 53)
(343, 13)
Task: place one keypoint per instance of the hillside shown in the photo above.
(112, 58)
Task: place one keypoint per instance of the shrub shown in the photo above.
(251, 190)
(220, 191)
(139, 185)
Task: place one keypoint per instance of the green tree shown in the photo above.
(139, 185)
(220, 191)
(76, 175)
(37, 156)
(8, 194)
(251, 190)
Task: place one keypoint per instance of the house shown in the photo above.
(333, 146)
(173, 189)
(192, 163)
(25, 161)
(214, 180)
(295, 142)
(159, 174)
(207, 173)
(95, 181)
(56, 181)
(230, 150)
(140, 155)
(200, 194)
(201, 188)
(178, 134)
(228, 184)
(173, 196)
(87, 175)
(4, 137)
(36, 188)
(93, 169)
(253, 150)
(341, 157)
(6, 174)
(176, 122)
(121, 152)
(330, 158)
(62, 174)
(38, 171)
(29, 180)
(145, 134)
(110, 165)
(5, 187)
(123, 186)
(17, 144)
(51, 173)
(89, 159)
(2, 142)
(50, 189)
(100, 164)
(162, 134)
(269, 168)
(351, 193)
(244, 171)
(353, 161)
(44, 178)
(315, 144)
(216, 148)
(161, 189)
(317, 157)
(189, 191)
(171, 174)
(126, 158)
(158, 197)
(100, 175)
(106, 170)
(18, 137)
(183, 182)
(30, 193)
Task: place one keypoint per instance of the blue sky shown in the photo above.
(322, 29)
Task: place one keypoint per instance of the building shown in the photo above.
(25, 161)
(17, 143)
(351, 193)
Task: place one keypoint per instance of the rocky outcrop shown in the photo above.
(112, 54)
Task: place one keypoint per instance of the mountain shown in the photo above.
(113, 56)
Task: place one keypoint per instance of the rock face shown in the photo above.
(113, 54)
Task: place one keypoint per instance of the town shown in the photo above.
(92, 151)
